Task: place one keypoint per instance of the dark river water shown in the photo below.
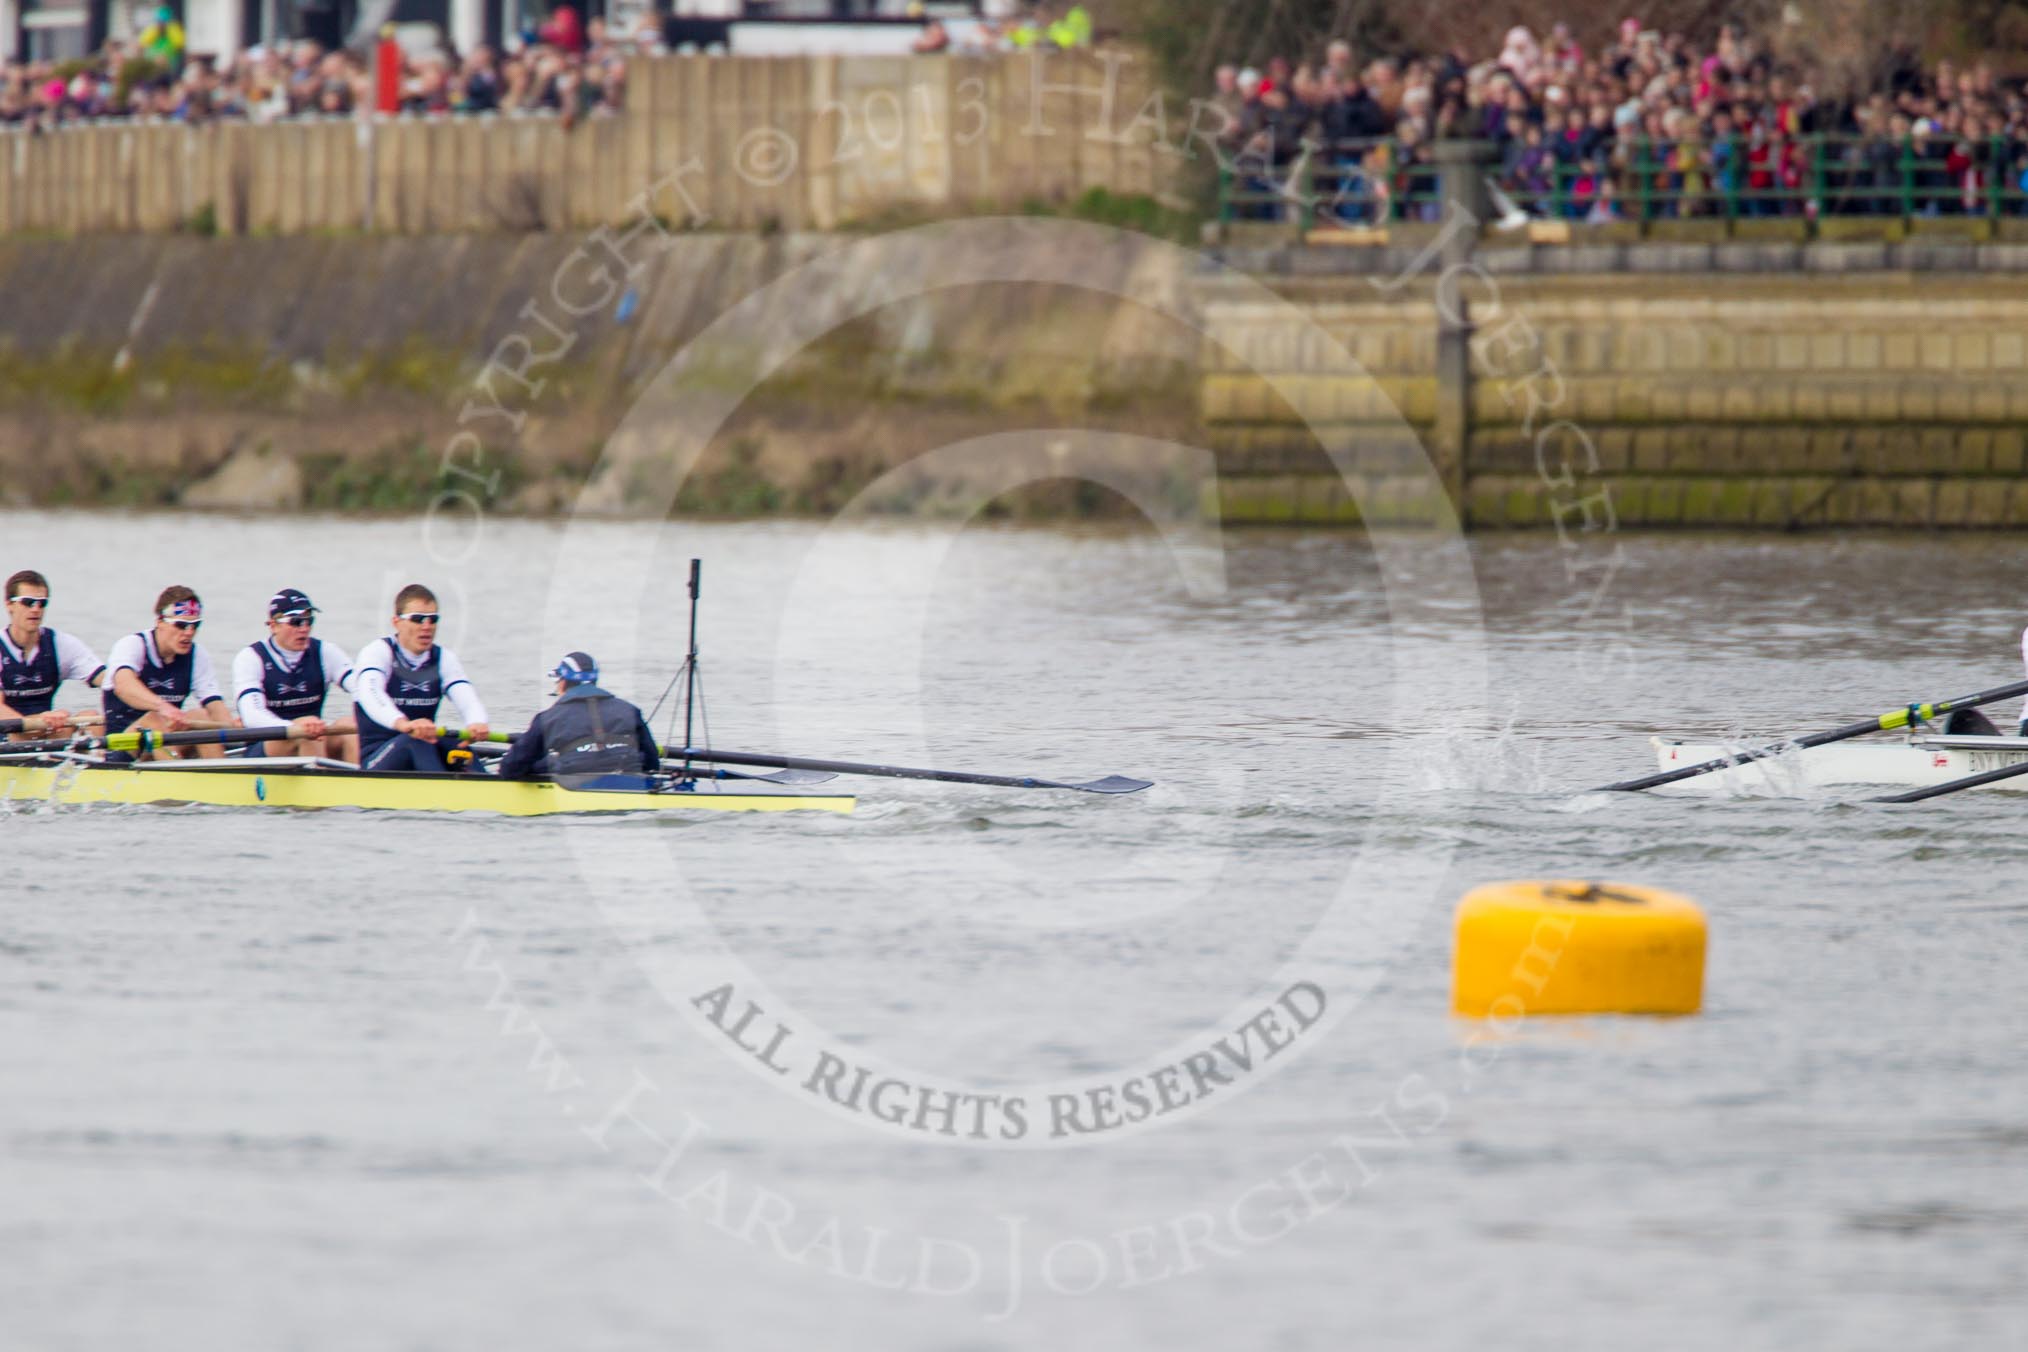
(332, 1080)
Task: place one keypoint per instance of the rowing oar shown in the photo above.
(143, 740)
(39, 723)
(1894, 718)
(1109, 784)
(1968, 782)
(803, 777)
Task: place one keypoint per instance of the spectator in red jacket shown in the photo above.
(564, 31)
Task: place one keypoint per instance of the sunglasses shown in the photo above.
(421, 617)
(296, 619)
(32, 602)
(187, 626)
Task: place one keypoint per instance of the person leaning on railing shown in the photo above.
(1415, 195)
(1525, 174)
(1688, 165)
(1969, 163)
(1891, 160)
(1606, 205)
(1561, 138)
(1271, 133)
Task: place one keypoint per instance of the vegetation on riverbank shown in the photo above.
(229, 426)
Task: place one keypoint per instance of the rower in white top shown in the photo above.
(286, 677)
(398, 683)
(156, 670)
(35, 659)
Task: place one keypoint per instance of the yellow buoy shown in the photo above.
(1566, 947)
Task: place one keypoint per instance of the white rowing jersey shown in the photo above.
(137, 653)
(29, 677)
(383, 661)
(173, 680)
(252, 664)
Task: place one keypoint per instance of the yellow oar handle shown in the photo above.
(1910, 716)
(144, 739)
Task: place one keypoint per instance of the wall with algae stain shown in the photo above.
(1742, 401)
(335, 373)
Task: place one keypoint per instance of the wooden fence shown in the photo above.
(739, 143)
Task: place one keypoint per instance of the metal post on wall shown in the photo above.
(1461, 172)
(368, 144)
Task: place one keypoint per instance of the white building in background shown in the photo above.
(38, 29)
(58, 29)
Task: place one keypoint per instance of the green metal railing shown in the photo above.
(1379, 182)
(1374, 181)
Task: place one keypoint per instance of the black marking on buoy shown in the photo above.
(1591, 893)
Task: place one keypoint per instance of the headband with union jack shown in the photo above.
(184, 610)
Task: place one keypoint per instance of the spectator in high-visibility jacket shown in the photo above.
(1073, 29)
(163, 39)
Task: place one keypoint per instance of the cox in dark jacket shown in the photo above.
(588, 732)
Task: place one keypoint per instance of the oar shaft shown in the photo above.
(771, 761)
(1968, 782)
(40, 722)
(1887, 722)
(779, 762)
(1742, 757)
(146, 740)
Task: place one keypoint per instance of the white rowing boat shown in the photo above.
(1918, 762)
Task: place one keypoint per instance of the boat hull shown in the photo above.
(1915, 763)
(299, 787)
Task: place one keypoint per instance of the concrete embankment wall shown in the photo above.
(342, 373)
(1765, 392)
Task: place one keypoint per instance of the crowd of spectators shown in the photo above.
(567, 68)
(1651, 125)
(1044, 26)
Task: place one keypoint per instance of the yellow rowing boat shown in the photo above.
(301, 783)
